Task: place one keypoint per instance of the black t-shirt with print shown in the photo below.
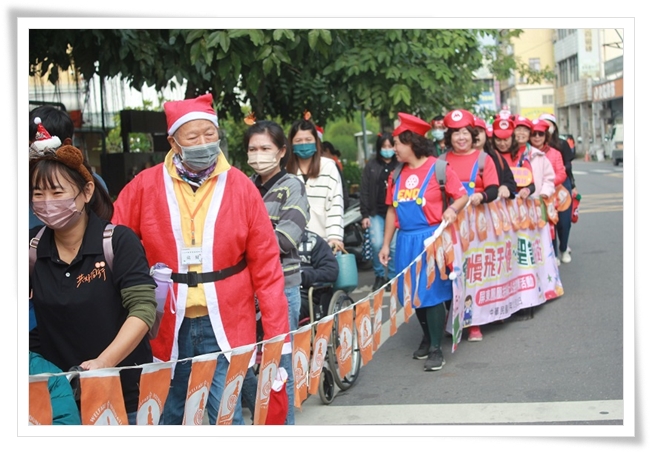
(78, 306)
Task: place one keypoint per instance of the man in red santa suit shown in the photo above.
(206, 221)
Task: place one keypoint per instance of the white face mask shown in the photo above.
(263, 162)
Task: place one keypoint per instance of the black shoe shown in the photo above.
(435, 360)
(379, 281)
(423, 350)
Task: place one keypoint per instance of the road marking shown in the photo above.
(462, 413)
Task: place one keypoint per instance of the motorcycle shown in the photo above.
(354, 234)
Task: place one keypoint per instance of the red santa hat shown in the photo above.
(179, 112)
(43, 141)
(320, 132)
(412, 123)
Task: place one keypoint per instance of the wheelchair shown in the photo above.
(331, 377)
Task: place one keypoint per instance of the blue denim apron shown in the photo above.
(413, 230)
(470, 185)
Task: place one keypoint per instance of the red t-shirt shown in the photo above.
(463, 165)
(410, 182)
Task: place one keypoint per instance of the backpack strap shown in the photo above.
(33, 245)
(481, 162)
(397, 170)
(108, 244)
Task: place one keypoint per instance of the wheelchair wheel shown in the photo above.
(326, 386)
(341, 300)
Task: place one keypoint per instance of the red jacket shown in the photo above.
(555, 157)
(240, 228)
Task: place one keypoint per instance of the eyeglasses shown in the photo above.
(538, 134)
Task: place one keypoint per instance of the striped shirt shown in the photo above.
(286, 202)
(325, 194)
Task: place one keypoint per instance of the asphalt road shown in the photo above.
(563, 367)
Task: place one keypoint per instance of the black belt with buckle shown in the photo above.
(193, 279)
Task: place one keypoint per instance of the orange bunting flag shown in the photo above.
(101, 401)
(345, 341)
(378, 302)
(239, 360)
(40, 406)
(431, 264)
(513, 213)
(551, 211)
(321, 344)
(506, 224)
(495, 216)
(448, 241)
(532, 218)
(522, 208)
(198, 388)
(271, 353)
(407, 290)
(541, 221)
(364, 330)
(392, 307)
(440, 257)
(481, 222)
(154, 388)
(562, 198)
(301, 352)
(418, 269)
(463, 226)
(471, 220)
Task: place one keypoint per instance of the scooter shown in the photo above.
(353, 233)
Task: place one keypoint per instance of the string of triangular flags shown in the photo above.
(101, 397)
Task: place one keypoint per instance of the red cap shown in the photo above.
(539, 125)
(412, 123)
(457, 119)
(522, 121)
(478, 122)
(503, 128)
(488, 131)
(179, 112)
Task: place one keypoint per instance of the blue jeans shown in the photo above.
(563, 226)
(195, 338)
(377, 224)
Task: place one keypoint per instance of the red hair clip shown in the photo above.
(250, 119)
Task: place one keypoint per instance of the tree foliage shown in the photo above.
(281, 73)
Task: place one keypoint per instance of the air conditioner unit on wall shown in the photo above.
(605, 113)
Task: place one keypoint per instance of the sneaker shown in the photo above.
(475, 334)
(435, 360)
(565, 257)
(568, 249)
(423, 350)
(557, 261)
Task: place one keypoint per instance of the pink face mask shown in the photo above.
(57, 213)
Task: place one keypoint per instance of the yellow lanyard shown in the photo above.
(193, 214)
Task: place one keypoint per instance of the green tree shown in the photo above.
(282, 73)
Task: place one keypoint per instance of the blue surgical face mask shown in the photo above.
(438, 134)
(304, 150)
(387, 153)
(201, 156)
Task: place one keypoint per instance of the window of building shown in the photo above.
(534, 64)
(547, 99)
(588, 45)
(568, 71)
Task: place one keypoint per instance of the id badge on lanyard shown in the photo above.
(191, 256)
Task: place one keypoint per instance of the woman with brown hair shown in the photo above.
(322, 181)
